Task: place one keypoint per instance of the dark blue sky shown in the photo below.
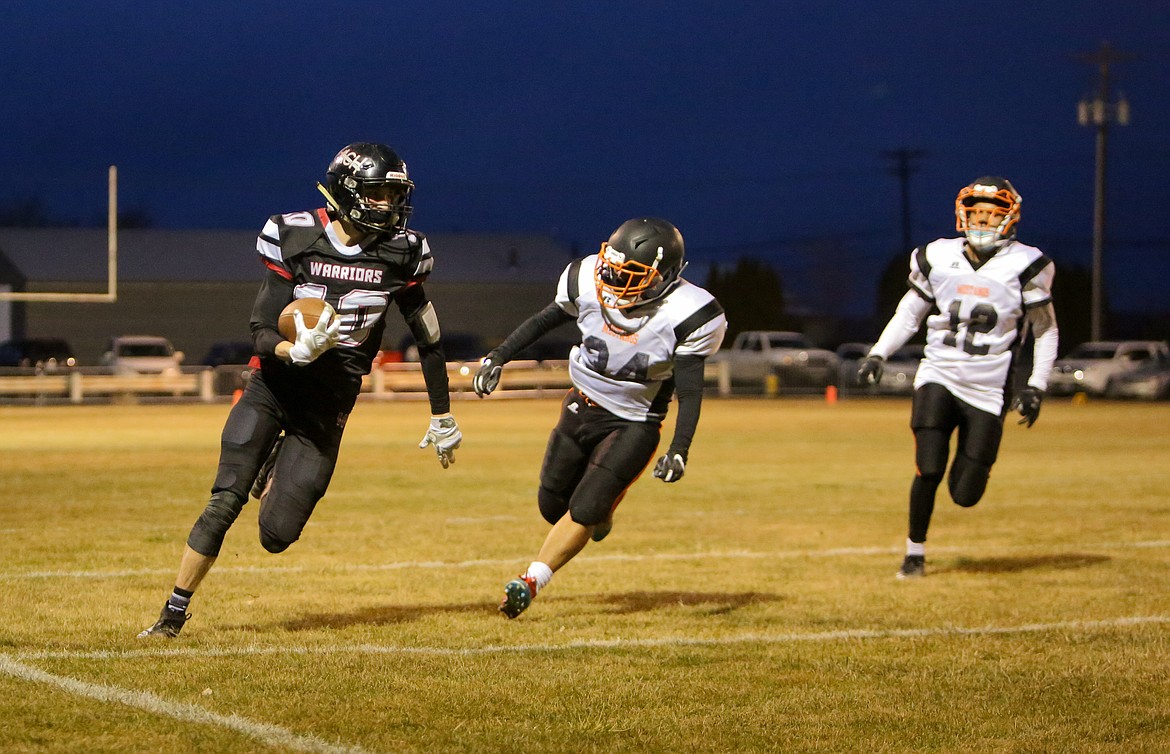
(743, 125)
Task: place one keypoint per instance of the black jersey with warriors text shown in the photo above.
(306, 259)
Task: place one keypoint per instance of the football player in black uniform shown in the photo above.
(282, 437)
(645, 335)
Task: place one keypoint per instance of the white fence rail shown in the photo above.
(521, 379)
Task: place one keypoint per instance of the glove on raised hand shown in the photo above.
(670, 467)
(1027, 402)
(487, 378)
(871, 369)
(311, 342)
(444, 434)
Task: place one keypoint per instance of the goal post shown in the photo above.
(111, 294)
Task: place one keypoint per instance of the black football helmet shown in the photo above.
(368, 185)
(999, 228)
(641, 262)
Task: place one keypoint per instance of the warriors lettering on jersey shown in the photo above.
(343, 272)
(970, 342)
(631, 374)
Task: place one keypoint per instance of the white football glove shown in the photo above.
(311, 342)
(444, 434)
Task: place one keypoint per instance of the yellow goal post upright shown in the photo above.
(111, 294)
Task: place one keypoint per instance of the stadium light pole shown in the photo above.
(1099, 112)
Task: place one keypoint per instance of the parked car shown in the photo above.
(142, 354)
(900, 369)
(228, 352)
(850, 356)
(41, 354)
(755, 354)
(1150, 381)
(897, 375)
(1094, 368)
(229, 360)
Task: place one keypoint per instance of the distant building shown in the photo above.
(196, 286)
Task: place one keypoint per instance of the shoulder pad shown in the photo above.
(297, 232)
(405, 241)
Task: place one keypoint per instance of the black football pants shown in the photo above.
(591, 460)
(313, 426)
(935, 416)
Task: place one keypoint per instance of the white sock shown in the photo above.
(541, 572)
(915, 548)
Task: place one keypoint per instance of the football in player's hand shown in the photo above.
(310, 309)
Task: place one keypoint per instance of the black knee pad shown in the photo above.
(931, 447)
(273, 542)
(207, 534)
(562, 468)
(968, 480)
(277, 531)
(553, 505)
(595, 496)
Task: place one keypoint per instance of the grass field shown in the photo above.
(750, 607)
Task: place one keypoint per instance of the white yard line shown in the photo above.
(270, 735)
(616, 557)
(670, 641)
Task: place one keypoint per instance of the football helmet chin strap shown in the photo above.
(328, 198)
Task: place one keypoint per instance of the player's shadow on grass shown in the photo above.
(1063, 562)
(712, 603)
(381, 615)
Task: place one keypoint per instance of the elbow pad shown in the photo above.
(424, 325)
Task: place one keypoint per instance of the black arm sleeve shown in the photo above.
(531, 330)
(434, 368)
(688, 386)
(275, 293)
(431, 357)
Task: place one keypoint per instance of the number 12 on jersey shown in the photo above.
(981, 319)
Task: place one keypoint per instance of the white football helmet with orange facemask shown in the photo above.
(987, 212)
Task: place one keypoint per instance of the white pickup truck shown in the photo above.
(754, 355)
(1094, 367)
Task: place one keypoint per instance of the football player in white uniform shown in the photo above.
(985, 289)
(645, 335)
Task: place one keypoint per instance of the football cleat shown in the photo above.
(265, 475)
(913, 567)
(169, 624)
(518, 594)
(602, 530)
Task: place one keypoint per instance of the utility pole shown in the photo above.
(1099, 112)
(903, 167)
